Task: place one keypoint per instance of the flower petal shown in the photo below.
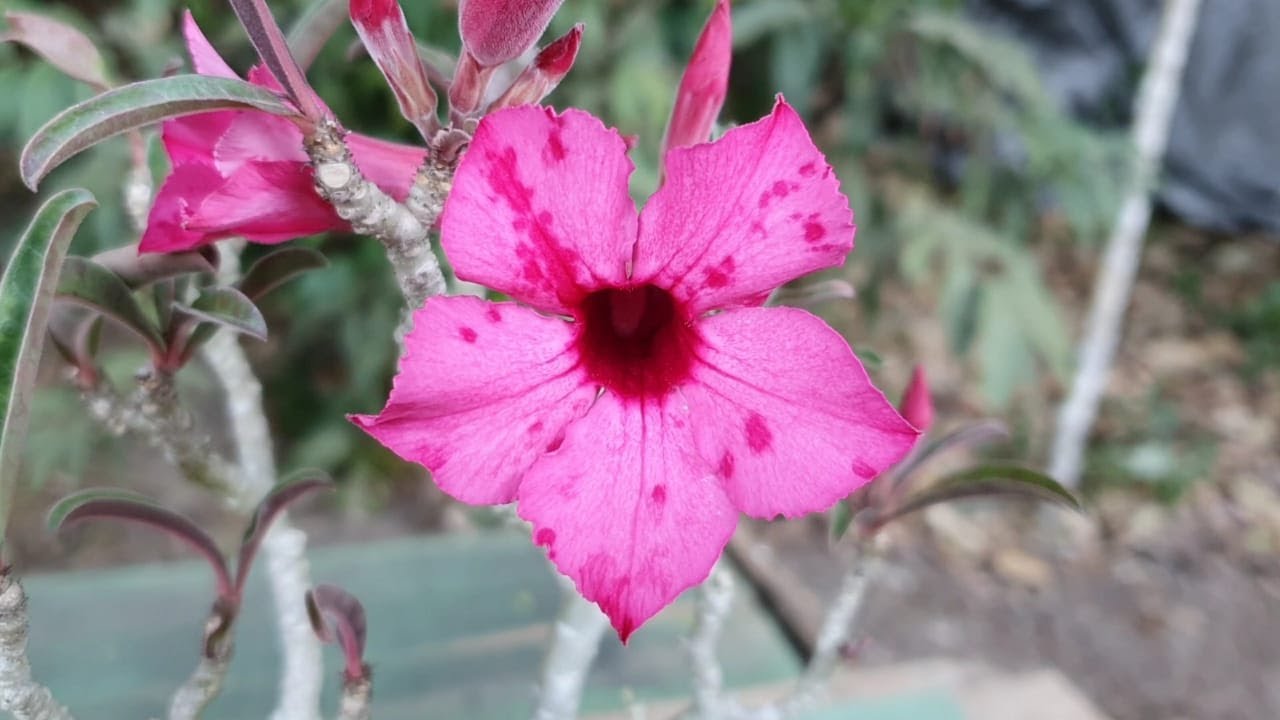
(186, 187)
(266, 202)
(627, 509)
(740, 216)
(785, 413)
(390, 166)
(483, 390)
(204, 58)
(540, 208)
(704, 83)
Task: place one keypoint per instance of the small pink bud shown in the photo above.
(917, 405)
(495, 31)
(705, 82)
(470, 80)
(544, 73)
(385, 34)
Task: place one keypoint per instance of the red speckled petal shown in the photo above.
(627, 509)
(540, 208)
(786, 414)
(740, 216)
(483, 390)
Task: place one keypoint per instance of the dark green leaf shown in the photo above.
(840, 520)
(134, 106)
(137, 270)
(276, 268)
(996, 480)
(112, 504)
(313, 29)
(285, 493)
(88, 283)
(980, 433)
(228, 307)
(26, 295)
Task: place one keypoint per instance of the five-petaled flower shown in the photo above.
(245, 173)
(636, 398)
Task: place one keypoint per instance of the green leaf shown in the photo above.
(113, 504)
(26, 295)
(995, 480)
(285, 493)
(87, 283)
(134, 106)
(229, 308)
(276, 268)
(841, 519)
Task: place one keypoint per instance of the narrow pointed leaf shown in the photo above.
(137, 270)
(134, 106)
(269, 41)
(63, 46)
(996, 480)
(840, 520)
(338, 617)
(284, 494)
(26, 296)
(111, 504)
(969, 436)
(87, 283)
(276, 268)
(230, 308)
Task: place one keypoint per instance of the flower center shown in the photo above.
(636, 341)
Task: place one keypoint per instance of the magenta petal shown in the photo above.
(740, 216)
(628, 509)
(483, 390)
(391, 166)
(704, 83)
(786, 413)
(204, 58)
(185, 188)
(540, 208)
(266, 202)
(917, 404)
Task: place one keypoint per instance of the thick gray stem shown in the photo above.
(190, 700)
(1153, 116)
(357, 700)
(573, 649)
(20, 694)
(715, 599)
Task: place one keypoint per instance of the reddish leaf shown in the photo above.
(338, 617)
(284, 494)
(65, 47)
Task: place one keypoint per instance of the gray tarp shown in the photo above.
(1222, 170)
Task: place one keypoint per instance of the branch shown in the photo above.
(404, 234)
(1153, 116)
(714, 602)
(194, 695)
(20, 694)
(357, 699)
(284, 546)
(573, 648)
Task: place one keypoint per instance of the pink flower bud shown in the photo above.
(385, 34)
(544, 73)
(495, 31)
(705, 82)
(917, 405)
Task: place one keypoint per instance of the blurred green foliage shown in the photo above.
(959, 167)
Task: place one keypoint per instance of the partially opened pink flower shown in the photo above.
(637, 398)
(245, 173)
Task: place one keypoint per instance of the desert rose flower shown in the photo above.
(636, 398)
(245, 173)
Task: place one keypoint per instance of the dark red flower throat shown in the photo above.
(636, 341)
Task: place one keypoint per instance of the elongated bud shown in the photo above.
(495, 31)
(385, 34)
(544, 73)
(704, 84)
(470, 79)
(917, 405)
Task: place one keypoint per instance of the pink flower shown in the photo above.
(917, 405)
(704, 84)
(638, 398)
(241, 172)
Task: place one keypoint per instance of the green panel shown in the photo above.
(457, 626)
(921, 706)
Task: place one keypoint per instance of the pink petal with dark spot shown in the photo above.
(627, 508)
(740, 216)
(483, 390)
(540, 208)
(786, 413)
